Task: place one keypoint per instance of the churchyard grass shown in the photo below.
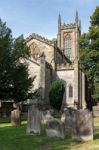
(12, 138)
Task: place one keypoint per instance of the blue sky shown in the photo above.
(40, 16)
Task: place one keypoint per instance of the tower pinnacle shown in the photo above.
(59, 19)
(59, 23)
(76, 17)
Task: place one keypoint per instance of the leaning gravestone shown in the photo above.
(82, 125)
(34, 120)
(16, 116)
(55, 128)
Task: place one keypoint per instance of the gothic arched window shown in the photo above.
(70, 91)
(67, 45)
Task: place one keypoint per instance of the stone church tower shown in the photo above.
(67, 38)
(67, 42)
(60, 62)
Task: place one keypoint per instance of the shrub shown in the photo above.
(56, 93)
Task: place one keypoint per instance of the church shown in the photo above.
(58, 59)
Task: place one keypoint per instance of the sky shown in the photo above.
(40, 16)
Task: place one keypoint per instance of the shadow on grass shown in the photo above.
(12, 138)
(15, 138)
(56, 144)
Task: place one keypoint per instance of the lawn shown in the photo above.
(12, 138)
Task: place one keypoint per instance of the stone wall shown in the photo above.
(41, 68)
(76, 84)
(34, 70)
(60, 59)
(71, 30)
(58, 66)
(68, 78)
(44, 77)
(43, 47)
(48, 80)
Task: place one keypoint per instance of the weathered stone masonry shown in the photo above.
(59, 59)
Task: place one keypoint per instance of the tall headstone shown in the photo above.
(82, 125)
(34, 120)
(16, 116)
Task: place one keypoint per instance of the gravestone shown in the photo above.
(46, 115)
(55, 128)
(95, 110)
(82, 125)
(63, 117)
(16, 117)
(67, 117)
(34, 120)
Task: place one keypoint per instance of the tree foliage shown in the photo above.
(15, 82)
(56, 94)
(96, 93)
(89, 54)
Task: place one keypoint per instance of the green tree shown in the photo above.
(89, 54)
(15, 82)
(56, 94)
(96, 93)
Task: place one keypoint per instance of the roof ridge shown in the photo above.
(41, 38)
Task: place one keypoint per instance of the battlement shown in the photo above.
(72, 25)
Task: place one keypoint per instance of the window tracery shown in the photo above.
(67, 45)
(35, 51)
